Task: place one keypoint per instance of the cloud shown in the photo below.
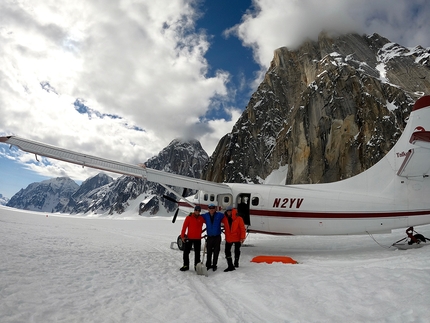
(138, 66)
(220, 127)
(271, 24)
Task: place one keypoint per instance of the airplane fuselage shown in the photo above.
(394, 193)
(324, 209)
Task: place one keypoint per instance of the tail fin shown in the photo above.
(413, 147)
(409, 158)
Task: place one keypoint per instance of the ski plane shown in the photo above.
(392, 194)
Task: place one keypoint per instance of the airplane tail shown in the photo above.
(411, 154)
(408, 160)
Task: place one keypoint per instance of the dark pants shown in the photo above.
(187, 248)
(213, 247)
(228, 246)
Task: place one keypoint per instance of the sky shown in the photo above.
(121, 269)
(121, 80)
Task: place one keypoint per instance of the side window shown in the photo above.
(226, 200)
(205, 197)
(212, 197)
(255, 201)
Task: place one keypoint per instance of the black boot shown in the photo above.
(230, 265)
(236, 262)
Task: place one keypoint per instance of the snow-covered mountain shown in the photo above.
(46, 196)
(86, 192)
(329, 109)
(179, 157)
(3, 200)
(103, 195)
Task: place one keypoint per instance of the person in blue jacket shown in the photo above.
(213, 230)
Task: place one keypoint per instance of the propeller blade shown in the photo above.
(184, 192)
(176, 214)
(171, 199)
(175, 201)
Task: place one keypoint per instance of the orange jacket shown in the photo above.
(192, 227)
(237, 231)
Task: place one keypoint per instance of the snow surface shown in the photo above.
(60, 268)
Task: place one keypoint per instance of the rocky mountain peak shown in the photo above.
(102, 194)
(184, 157)
(46, 196)
(329, 110)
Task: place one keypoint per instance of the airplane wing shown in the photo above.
(149, 174)
(417, 160)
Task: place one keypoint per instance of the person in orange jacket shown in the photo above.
(235, 233)
(191, 234)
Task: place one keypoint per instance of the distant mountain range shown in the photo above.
(103, 195)
(325, 111)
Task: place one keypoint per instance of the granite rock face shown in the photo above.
(329, 110)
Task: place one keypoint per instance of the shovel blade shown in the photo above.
(201, 269)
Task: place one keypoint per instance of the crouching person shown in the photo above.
(235, 233)
(192, 228)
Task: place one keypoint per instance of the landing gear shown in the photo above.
(179, 243)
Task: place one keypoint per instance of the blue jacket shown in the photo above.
(213, 229)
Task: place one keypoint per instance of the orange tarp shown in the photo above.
(271, 259)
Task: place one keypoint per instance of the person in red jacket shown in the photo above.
(191, 234)
(235, 233)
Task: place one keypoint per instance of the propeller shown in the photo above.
(171, 199)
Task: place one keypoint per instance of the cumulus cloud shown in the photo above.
(138, 66)
(271, 24)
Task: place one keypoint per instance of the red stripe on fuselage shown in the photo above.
(337, 215)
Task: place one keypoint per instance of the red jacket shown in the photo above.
(237, 231)
(192, 227)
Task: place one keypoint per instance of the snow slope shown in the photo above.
(121, 269)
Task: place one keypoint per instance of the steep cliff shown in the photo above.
(328, 110)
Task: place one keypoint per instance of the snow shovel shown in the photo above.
(200, 267)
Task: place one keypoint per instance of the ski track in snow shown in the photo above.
(85, 269)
